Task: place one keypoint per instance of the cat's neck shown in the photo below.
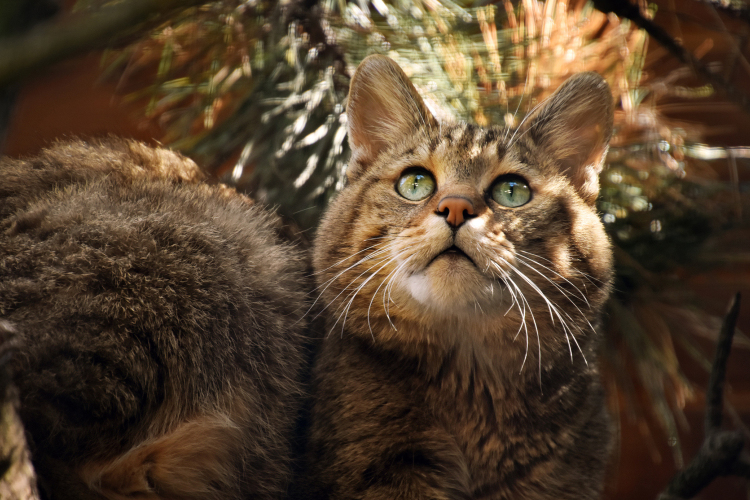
(496, 347)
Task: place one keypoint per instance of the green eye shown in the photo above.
(416, 184)
(511, 191)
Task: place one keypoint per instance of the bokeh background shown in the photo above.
(255, 91)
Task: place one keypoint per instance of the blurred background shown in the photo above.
(255, 91)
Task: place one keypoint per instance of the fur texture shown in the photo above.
(461, 361)
(160, 329)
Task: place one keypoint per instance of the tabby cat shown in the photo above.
(463, 271)
(160, 331)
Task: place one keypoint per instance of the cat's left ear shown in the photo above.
(574, 127)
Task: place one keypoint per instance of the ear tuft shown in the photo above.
(383, 108)
(574, 127)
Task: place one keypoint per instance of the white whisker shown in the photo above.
(590, 278)
(329, 282)
(529, 115)
(565, 294)
(523, 93)
(352, 295)
(376, 293)
(554, 311)
(522, 259)
(388, 289)
(512, 285)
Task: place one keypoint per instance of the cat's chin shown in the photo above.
(451, 285)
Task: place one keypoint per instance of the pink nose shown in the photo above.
(455, 209)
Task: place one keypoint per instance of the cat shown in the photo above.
(463, 271)
(161, 342)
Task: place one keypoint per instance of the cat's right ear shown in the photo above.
(383, 108)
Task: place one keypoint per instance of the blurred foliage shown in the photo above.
(251, 77)
(256, 92)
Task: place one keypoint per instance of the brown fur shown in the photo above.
(446, 376)
(161, 331)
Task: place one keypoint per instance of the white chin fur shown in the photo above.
(419, 288)
(454, 294)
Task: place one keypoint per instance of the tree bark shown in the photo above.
(17, 478)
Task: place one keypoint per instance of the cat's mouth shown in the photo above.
(452, 252)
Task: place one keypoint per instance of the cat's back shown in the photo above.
(161, 325)
(79, 162)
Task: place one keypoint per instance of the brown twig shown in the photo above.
(49, 43)
(623, 8)
(720, 453)
(715, 393)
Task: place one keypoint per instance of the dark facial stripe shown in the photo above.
(376, 237)
(353, 216)
(490, 135)
(467, 138)
(434, 143)
(501, 150)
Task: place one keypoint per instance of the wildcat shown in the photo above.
(463, 271)
(160, 340)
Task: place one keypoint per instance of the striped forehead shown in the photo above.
(467, 150)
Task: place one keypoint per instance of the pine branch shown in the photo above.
(625, 9)
(47, 44)
(720, 453)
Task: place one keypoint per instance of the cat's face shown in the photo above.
(445, 224)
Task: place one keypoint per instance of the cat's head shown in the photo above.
(448, 223)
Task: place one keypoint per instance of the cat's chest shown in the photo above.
(507, 435)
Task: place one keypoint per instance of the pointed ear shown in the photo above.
(574, 127)
(383, 108)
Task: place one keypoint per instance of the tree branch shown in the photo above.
(715, 392)
(50, 43)
(720, 453)
(623, 8)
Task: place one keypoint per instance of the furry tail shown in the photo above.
(201, 458)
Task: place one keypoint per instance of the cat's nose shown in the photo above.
(455, 209)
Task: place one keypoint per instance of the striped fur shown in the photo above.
(463, 377)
